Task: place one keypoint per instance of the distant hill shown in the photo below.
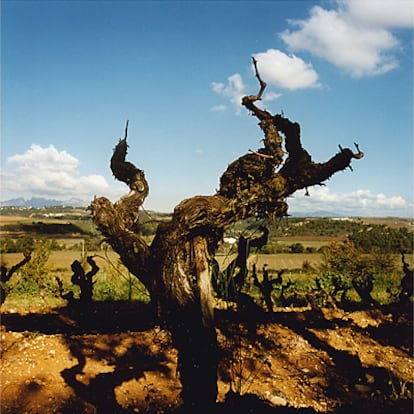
(39, 202)
(320, 214)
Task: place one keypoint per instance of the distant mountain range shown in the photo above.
(39, 202)
(320, 213)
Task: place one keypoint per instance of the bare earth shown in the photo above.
(115, 361)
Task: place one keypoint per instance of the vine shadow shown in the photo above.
(98, 393)
(103, 317)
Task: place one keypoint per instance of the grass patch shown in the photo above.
(288, 261)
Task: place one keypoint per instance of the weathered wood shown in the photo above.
(175, 268)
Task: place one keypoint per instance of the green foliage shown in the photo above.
(26, 288)
(42, 228)
(307, 267)
(34, 278)
(317, 227)
(92, 244)
(332, 287)
(116, 288)
(55, 246)
(296, 248)
(36, 269)
(346, 267)
(274, 248)
(340, 257)
(383, 238)
(117, 283)
(25, 244)
(7, 245)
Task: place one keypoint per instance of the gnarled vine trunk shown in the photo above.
(175, 267)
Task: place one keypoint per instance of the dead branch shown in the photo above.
(261, 82)
(126, 130)
(248, 101)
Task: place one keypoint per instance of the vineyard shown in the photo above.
(321, 323)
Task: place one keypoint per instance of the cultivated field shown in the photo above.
(316, 353)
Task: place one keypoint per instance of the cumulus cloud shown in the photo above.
(355, 36)
(234, 90)
(286, 71)
(385, 13)
(50, 172)
(357, 203)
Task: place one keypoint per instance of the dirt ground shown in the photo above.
(114, 360)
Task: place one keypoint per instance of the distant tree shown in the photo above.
(92, 244)
(344, 266)
(383, 238)
(36, 270)
(7, 245)
(296, 248)
(54, 245)
(25, 244)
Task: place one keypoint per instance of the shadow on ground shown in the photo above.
(97, 393)
(100, 317)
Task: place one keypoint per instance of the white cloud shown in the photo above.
(286, 71)
(271, 96)
(278, 69)
(357, 203)
(218, 108)
(49, 172)
(385, 13)
(234, 90)
(354, 37)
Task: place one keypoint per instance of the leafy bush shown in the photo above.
(7, 245)
(25, 244)
(345, 267)
(33, 278)
(296, 248)
(36, 269)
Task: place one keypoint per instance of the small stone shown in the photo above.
(370, 378)
(363, 388)
(276, 400)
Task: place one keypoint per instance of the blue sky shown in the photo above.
(72, 73)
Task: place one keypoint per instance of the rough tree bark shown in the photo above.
(175, 267)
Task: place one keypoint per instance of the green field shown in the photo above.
(287, 261)
(60, 260)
